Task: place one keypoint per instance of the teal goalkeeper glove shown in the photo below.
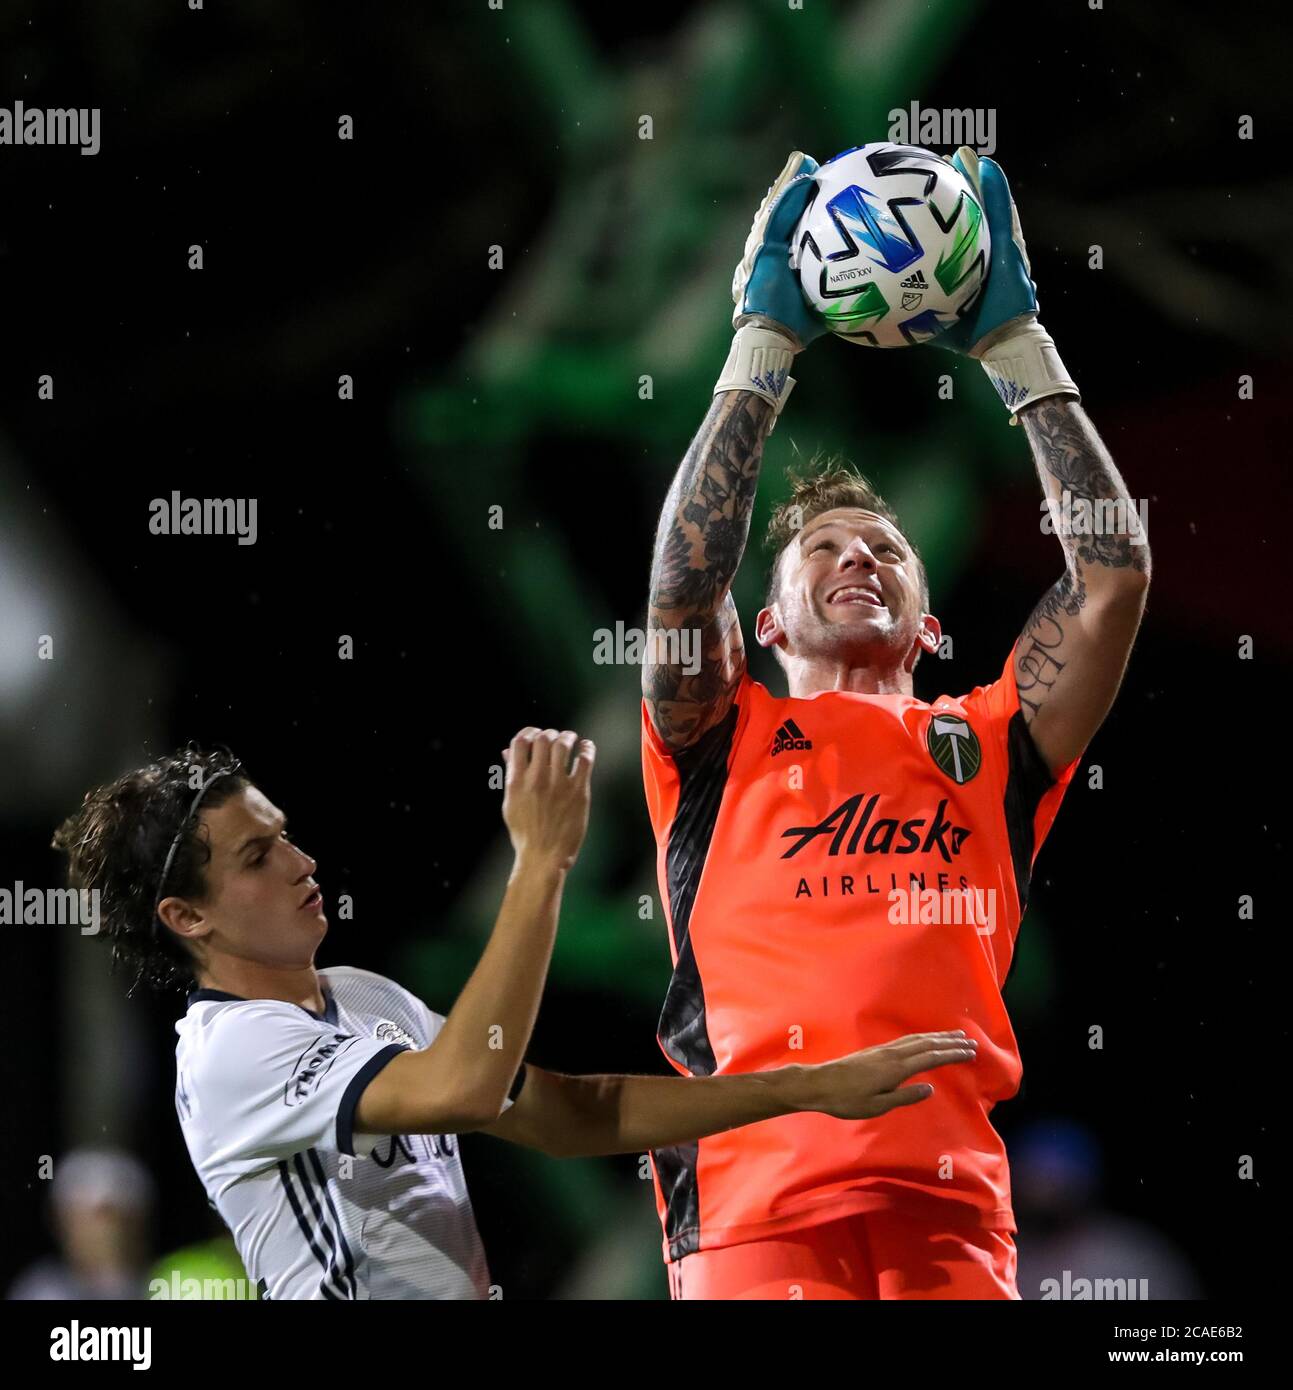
(772, 318)
(1002, 331)
(764, 286)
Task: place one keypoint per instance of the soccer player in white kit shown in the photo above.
(321, 1106)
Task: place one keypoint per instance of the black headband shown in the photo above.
(179, 835)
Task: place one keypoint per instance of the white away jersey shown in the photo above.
(266, 1093)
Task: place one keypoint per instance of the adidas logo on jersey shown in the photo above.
(790, 737)
(914, 282)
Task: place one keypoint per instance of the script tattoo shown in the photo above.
(1070, 458)
(1036, 665)
(702, 535)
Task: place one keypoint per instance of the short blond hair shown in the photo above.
(827, 482)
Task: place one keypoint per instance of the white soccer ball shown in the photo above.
(894, 246)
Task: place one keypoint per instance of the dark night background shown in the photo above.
(478, 387)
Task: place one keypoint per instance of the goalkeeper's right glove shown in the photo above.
(773, 320)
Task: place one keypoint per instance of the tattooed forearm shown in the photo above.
(1073, 650)
(706, 517)
(1100, 527)
(702, 535)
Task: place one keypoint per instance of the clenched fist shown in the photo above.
(547, 793)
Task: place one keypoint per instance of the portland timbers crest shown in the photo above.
(954, 746)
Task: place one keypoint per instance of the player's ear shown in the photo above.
(768, 631)
(184, 920)
(931, 632)
(928, 637)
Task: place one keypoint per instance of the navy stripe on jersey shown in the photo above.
(1028, 779)
(343, 1261)
(683, 1029)
(336, 1216)
(350, 1100)
(322, 1246)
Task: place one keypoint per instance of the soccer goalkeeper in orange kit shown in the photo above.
(789, 830)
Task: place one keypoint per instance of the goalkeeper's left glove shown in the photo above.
(773, 320)
(1002, 331)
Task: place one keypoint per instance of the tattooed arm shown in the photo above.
(1074, 648)
(699, 543)
(689, 686)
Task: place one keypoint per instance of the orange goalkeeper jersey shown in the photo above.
(836, 872)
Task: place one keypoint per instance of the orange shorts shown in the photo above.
(881, 1254)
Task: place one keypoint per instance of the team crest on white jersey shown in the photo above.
(392, 1032)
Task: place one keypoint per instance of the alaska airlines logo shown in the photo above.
(312, 1066)
(851, 819)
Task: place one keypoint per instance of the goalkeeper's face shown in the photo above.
(850, 589)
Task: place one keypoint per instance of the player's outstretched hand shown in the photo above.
(869, 1083)
(546, 794)
(764, 286)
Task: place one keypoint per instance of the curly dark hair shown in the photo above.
(827, 482)
(117, 842)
